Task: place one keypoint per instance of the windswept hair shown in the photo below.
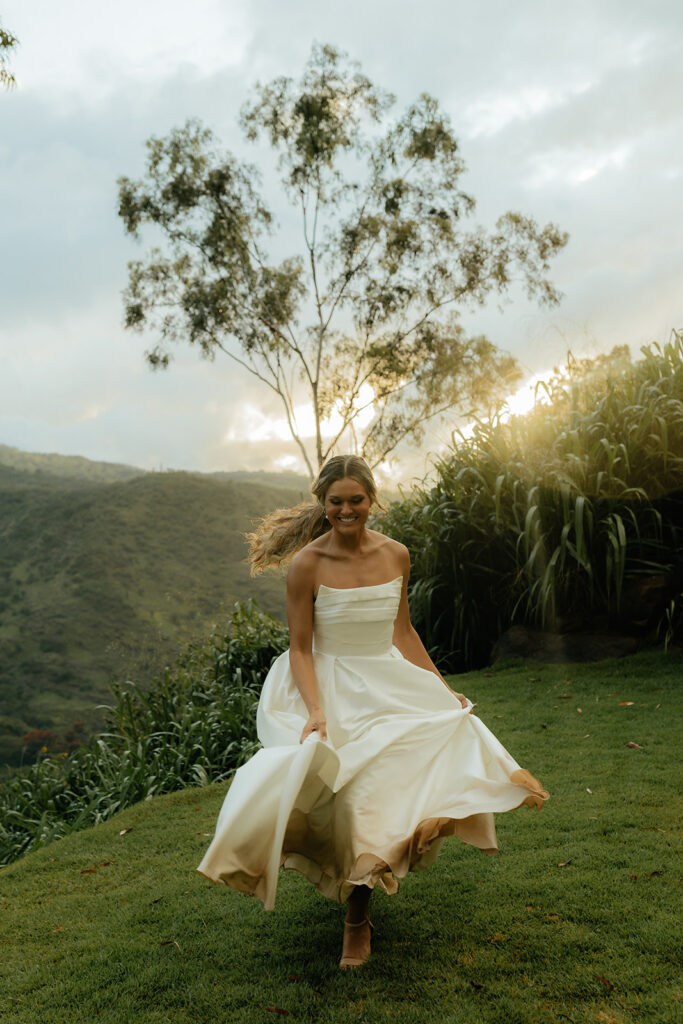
(278, 536)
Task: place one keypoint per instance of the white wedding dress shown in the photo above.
(404, 765)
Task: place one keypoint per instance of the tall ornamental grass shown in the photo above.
(557, 518)
(195, 725)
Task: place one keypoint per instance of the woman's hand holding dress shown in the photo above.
(316, 723)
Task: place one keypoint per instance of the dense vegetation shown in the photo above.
(194, 725)
(104, 577)
(570, 517)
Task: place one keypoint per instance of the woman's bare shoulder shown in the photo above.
(303, 567)
(394, 546)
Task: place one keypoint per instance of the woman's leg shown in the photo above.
(358, 904)
(357, 930)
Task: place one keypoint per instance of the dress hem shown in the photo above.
(413, 854)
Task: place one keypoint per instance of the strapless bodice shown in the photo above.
(357, 621)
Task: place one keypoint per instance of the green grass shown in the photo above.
(116, 928)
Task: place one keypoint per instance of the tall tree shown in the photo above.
(8, 42)
(364, 320)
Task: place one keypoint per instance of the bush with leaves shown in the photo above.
(194, 725)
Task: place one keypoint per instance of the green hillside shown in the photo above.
(102, 580)
(34, 468)
(575, 920)
(66, 467)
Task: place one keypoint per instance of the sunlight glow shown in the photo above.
(288, 462)
(250, 423)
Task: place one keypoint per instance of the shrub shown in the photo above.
(194, 725)
(549, 518)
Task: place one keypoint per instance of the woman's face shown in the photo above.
(347, 505)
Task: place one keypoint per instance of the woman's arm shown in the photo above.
(300, 620)
(406, 638)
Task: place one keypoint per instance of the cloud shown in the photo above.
(570, 114)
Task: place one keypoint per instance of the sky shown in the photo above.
(568, 113)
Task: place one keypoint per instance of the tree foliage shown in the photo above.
(365, 318)
(8, 42)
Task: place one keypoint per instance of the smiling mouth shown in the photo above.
(350, 519)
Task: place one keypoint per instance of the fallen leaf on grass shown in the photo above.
(586, 736)
(606, 983)
(533, 679)
(294, 977)
(652, 828)
(92, 870)
(657, 871)
(625, 703)
(564, 863)
(580, 711)
(634, 746)
(205, 833)
(634, 878)
(565, 696)
(59, 928)
(589, 791)
(125, 831)
(276, 1009)
(170, 942)
(157, 900)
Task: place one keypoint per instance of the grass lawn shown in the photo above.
(576, 920)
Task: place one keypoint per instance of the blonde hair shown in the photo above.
(279, 536)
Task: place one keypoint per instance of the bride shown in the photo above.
(369, 759)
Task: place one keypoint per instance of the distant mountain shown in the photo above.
(35, 465)
(69, 467)
(289, 481)
(105, 571)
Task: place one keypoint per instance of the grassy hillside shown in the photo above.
(574, 921)
(102, 580)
